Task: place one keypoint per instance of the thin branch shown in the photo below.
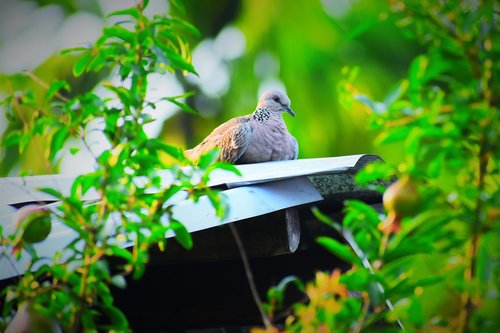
(470, 272)
(9, 260)
(248, 272)
(362, 319)
(44, 85)
(87, 146)
(364, 260)
(38, 149)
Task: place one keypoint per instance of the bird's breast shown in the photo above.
(269, 142)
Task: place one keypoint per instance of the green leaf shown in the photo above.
(396, 134)
(356, 280)
(55, 88)
(103, 159)
(436, 166)
(437, 67)
(52, 192)
(118, 319)
(123, 94)
(88, 320)
(278, 293)
(119, 252)
(178, 62)
(335, 247)
(364, 211)
(83, 183)
(57, 141)
(181, 105)
(104, 293)
(81, 65)
(58, 271)
(119, 281)
(96, 64)
(396, 93)
(187, 26)
(326, 220)
(134, 12)
(178, 5)
(154, 145)
(360, 28)
(73, 49)
(410, 247)
(413, 142)
(378, 170)
(74, 150)
(416, 77)
(184, 95)
(208, 158)
(416, 313)
(376, 107)
(171, 191)
(376, 297)
(11, 138)
(101, 270)
(24, 141)
(433, 218)
(428, 281)
(228, 167)
(160, 54)
(121, 33)
(217, 201)
(181, 234)
(40, 124)
(112, 117)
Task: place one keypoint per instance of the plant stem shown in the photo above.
(361, 320)
(83, 291)
(44, 85)
(470, 272)
(366, 263)
(248, 272)
(25, 121)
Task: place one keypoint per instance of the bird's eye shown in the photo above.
(276, 98)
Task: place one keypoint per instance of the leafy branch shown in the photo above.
(134, 206)
(430, 250)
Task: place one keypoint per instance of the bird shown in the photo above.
(261, 136)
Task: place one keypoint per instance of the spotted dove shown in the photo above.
(258, 137)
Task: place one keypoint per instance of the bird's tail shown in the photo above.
(193, 155)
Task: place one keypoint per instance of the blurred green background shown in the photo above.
(245, 47)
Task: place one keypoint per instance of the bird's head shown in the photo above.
(275, 101)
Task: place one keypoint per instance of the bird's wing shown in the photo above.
(296, 148)
(235, 141)
(232, 138)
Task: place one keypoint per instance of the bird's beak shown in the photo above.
(290, 111)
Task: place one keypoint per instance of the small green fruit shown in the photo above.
(402, 198)
(35, 222)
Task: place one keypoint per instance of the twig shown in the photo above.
(9, 260)
(87, 146)
(44, 85)
(248, 272)
(350, 239)
(361, 321)
(470, 272)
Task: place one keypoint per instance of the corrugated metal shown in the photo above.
(263, 188)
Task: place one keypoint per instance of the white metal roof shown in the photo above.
(263, 188)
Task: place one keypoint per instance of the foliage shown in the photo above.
(304, 58)
(274, 51)
(439, 269)
(135, 202)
